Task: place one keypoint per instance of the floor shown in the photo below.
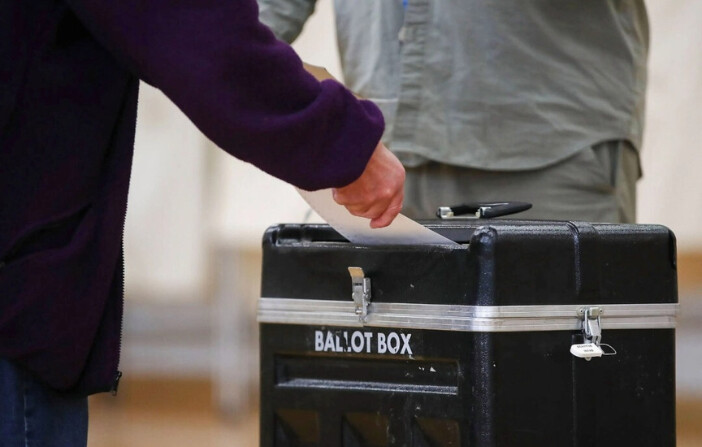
(173, 413)
(689, 414)
(113, 427)
(182, 415)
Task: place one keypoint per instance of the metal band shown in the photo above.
(463, 318)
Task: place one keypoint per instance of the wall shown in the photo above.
(165, 229)
(670, 192)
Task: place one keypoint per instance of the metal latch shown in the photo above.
(360, 292)
(592, 326)
(592, 335)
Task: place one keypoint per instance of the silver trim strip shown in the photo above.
(463, 318)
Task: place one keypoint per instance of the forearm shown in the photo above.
(242, 87)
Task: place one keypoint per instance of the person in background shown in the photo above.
(538, 101)
(69, 71)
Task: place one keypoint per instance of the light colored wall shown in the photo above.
(671, 190)
(165, 229)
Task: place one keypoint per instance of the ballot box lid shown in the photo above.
(494, 263)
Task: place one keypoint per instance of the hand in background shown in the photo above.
(378, 193)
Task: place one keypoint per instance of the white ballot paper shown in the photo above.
(402, 231)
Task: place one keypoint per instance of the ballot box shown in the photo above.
(524, 333)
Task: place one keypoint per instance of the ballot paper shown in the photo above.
(402, 231)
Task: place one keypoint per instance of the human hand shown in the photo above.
(378, 193)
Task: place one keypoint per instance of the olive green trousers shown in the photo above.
(597, 184)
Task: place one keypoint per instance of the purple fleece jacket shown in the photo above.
(69, 74)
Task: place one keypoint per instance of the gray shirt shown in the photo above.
(490, 84)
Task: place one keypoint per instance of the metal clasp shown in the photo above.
(592, 335)
(592, 326)
(360, 292)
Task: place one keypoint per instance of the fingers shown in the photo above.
(387, 217)
(378, 193)
(368, 205)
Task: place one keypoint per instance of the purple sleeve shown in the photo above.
(243, 88)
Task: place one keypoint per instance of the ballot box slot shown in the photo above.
(372, 374)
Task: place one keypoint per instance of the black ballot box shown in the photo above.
(525, 333)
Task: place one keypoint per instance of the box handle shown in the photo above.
(478, 210)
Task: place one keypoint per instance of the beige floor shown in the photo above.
(112, 427)
(159, 412)
(182, 416)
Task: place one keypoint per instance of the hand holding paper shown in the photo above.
(402, 231)
(378, 193)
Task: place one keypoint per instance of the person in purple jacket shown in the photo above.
(69, 73)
